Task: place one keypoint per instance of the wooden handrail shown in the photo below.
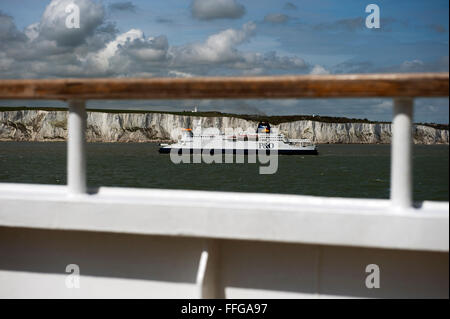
(301, 86)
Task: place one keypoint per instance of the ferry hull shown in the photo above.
(166, 150)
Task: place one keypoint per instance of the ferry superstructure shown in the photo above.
(241, 143)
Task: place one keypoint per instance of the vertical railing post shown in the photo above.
(401, 153)
(76, 148)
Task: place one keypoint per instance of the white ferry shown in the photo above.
(242, 143)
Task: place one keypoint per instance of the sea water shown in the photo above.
(339, 170)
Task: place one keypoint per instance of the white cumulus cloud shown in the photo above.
(318, 69)
(48, 49)
(219, 47)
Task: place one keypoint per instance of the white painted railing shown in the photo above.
(401, 167)
(76, 148)
(401, 154)
(317, 222)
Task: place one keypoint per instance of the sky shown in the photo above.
(176, 38)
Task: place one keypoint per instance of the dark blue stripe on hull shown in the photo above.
(164, 150)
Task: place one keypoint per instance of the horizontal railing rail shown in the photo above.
(301, 86)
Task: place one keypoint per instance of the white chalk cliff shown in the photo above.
(40, 125)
